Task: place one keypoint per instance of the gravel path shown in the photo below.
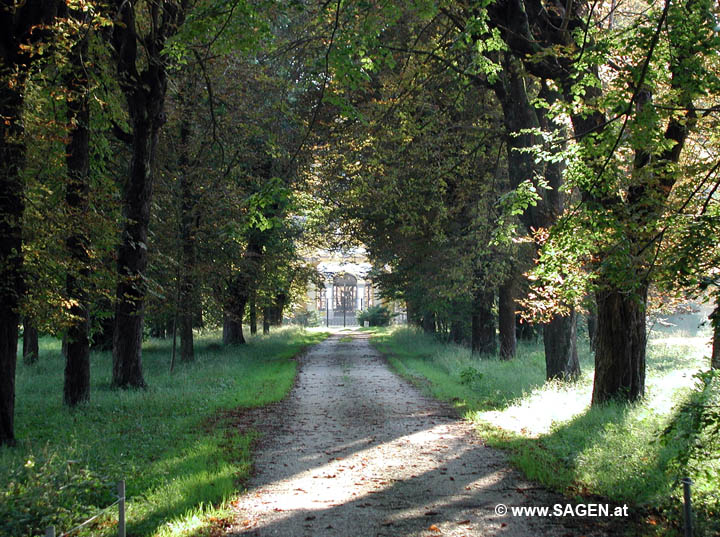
(357, 451)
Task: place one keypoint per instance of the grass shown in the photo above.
(615, 451)
(172, 442)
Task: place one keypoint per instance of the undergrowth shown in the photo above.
(634, 454)
(167, 442)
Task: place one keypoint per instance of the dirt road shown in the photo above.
(357, 451)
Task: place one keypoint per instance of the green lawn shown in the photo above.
(616, 451)
(168, 442)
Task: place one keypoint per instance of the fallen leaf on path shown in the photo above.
(435, 529)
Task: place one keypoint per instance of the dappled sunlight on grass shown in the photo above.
(553, 434)
(537, 412)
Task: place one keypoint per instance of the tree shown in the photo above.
(77, 355)
(627, 152)
(139, 53)
(20, 33)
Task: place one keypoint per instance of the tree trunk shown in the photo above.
(457, 331)
(22, 23)
(483, 323)
(620, 352)
(428, 323)
(12, 162)
(276, 312)
(144, 84)
(253, 315)
(519, 114)
(266, 321)
(560, 341)
(187, 347)
(232, 329)
(189, 256)
(506, 318)
(76, 387)
(30, 341)
(132, 254)
(8, 352)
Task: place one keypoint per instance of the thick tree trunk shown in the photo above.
(30, 341)
(232, 329)
(144, 83)
(560, 341)
(8, 352)
(253, 315)
(187, 347)
(266, 321)
(12, 162)
(483, 323)
(76, 388)
(620, 352)
(428, 323)
(132, 256)
(506, 318)
(77, 358)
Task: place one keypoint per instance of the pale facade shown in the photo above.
(346, 288)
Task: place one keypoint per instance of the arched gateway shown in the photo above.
(345, 289)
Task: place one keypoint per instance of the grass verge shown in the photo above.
(632, 454)
(170, 442)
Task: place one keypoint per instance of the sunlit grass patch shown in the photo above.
(178, 463)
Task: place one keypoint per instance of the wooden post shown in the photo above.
(687, 506)
(50, 531)
(121, 508)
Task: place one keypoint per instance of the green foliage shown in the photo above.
(692, 441)
(175, 444)
(375, 316)
(470, 375)
(49, 490)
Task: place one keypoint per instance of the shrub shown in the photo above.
(375, 316)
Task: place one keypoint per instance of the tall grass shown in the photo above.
(616, 451)
(168, 441)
